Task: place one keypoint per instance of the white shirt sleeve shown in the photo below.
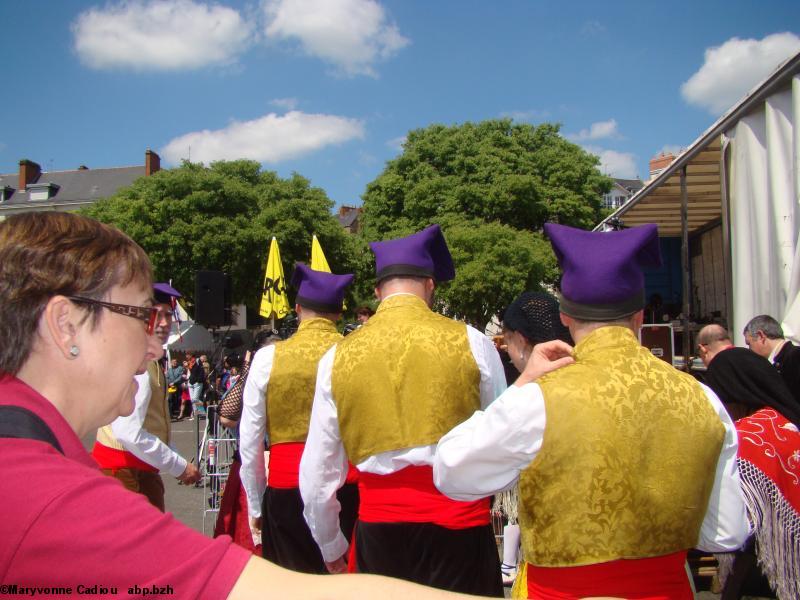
(253, 428)
(485, 454)
(725, 526)
(493, 376)
(142, 444)
(324, 466)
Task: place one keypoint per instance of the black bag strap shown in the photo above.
(20, 423)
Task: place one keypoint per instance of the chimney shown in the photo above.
(152, 163)
(660, 162)
(29, 172)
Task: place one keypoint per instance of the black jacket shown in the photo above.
(787, 361)
(197, 374)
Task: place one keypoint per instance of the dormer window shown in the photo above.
(5, 192)
(41, 191)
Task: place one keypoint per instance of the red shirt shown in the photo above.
(65, 524)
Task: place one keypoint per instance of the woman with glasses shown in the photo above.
(136, 448)
(76, 320)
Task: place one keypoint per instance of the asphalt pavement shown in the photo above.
(189, 504)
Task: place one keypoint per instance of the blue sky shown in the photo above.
(329, 88)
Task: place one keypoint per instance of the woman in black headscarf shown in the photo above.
(533, 318)
(767, 424)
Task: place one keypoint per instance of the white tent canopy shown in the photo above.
(743, 172)
(190, 336)
(764, 211)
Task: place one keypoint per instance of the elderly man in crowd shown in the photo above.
(764, 336)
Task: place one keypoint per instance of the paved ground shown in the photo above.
(188, 503)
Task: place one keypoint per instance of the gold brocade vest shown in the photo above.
(156, 420)
(290, 391)
(403, 379)
(628, 458)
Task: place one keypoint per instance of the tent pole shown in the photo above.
(685, 269)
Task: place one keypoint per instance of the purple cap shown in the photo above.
(602, 271)
(164, 293)
(421, 254)
(318, 290)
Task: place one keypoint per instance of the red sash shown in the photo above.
(656, 578)
(111, 458)
(284, 466)
(409, 496)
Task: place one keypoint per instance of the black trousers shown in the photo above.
(286, 539)
(174, 403)
(460, 560)
(746, 577)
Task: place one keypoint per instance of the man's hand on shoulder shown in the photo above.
(190, 474)
(544, 358)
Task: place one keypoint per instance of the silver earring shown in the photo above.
(74, 351)
(522, 356)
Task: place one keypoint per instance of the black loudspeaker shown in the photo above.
(212, 298)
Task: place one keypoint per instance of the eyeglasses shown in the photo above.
(148, 314)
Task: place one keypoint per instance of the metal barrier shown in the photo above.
(216, 454)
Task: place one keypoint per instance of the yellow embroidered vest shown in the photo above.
(403, 379)
(627, 461)
(156, 420)
(290, 390)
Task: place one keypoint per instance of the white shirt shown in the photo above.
(323, 467)
(253, 429)
(776, 350)
(486, 454)
(145, 446)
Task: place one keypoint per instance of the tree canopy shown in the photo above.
(222, 217)
(491, 186)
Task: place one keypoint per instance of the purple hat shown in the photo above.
(164, 293)
(602, 271)
(421, 254)
(318, 290)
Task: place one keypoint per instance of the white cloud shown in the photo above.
(673, 149)
(615, 164)
(396, 144)
(597, 131)
(163, 35)
(285, 103)
(350, 34)
(732, 69)
(592, 27)
(366, 159)
(526, 116)
(270, 139)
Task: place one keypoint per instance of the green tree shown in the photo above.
(222, 218)
(494, 264)
(491, 186)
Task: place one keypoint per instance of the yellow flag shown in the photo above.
(318, 261)
(273, 298)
